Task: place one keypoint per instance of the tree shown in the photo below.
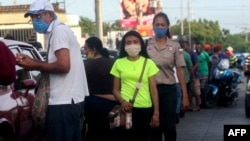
(87, 26)
(117, 26)
(203, 31)
(106, 28)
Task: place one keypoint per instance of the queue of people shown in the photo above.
(209, 58)
(173, 75)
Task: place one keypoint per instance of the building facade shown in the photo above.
(14, 24)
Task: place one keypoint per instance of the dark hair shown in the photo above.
(96, 43)
(181, 43)
(184, 44)
(163, 15)
(198, 43)
(216, 49)
(143, 51)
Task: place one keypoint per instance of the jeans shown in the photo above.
(63, 122)
(179, 98)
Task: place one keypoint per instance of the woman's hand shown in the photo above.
(126, 106)
(185, 103)
(155, 121)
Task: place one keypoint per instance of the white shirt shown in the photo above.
(71, 85)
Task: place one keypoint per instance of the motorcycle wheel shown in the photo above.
(208, 99)
(247, 105)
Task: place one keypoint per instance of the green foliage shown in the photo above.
(202, 30)
(117, 26)
(106, 28)
(87, 26)
(205, 31)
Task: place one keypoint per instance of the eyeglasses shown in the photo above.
(37, 16)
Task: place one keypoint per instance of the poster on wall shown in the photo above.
(131, 13)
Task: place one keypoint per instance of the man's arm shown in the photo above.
(61, 65)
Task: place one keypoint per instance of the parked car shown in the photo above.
(113, 53)
(16, 123)
(43, 53)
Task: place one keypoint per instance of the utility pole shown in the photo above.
(189, 25)
(98, 19)
(245, 29)
(182, 30)
(246, 32)
(159, 6)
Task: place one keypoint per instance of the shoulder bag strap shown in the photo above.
(48, 47)
(50, 39)
(138, 85)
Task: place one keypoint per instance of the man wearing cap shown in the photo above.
(68, 86)
(232, 58)
(207, 48)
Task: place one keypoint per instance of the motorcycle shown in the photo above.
(222, 90)
(247, 95)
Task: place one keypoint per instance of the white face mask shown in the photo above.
(133, 50)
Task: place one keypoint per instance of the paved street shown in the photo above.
(207, 124)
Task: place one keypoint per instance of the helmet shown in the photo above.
(207, 47)
(230, 48)
(229, 52)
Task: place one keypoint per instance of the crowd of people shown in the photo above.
(175, 73)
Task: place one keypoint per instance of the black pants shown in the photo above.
(167, 103)
(140, 130)
(96, 111)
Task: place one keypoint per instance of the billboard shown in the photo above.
(134, 11)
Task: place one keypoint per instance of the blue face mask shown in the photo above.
(160, 32)
(40, 26)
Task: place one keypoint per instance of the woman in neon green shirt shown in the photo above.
(126, 70)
